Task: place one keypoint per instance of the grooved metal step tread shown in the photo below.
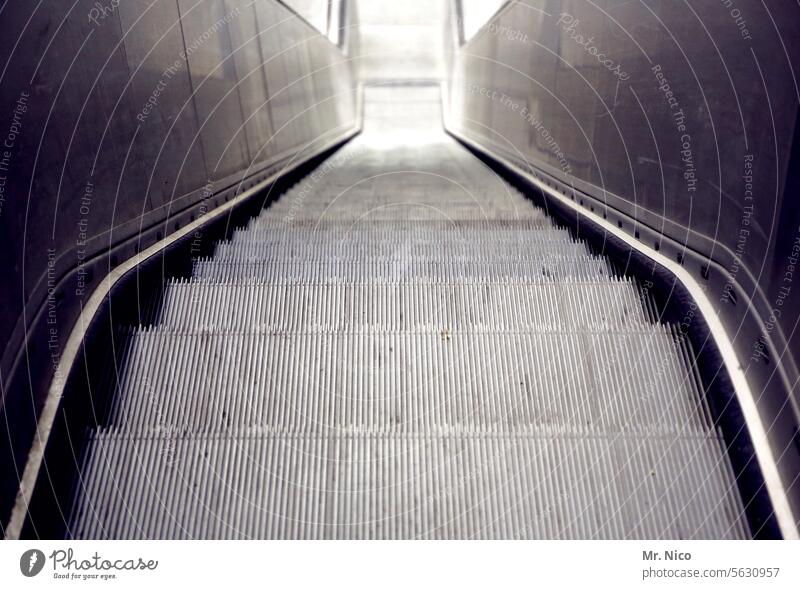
(401, 272)
(401, 487)
(389, 307)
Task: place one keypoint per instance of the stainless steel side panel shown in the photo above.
(214, 84)
(252, 85)
(167, 146)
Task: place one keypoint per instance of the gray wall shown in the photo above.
(118, 115)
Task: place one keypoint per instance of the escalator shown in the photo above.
(403, 346)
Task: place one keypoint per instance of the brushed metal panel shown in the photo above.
(77, 134)
(307, 85)
(168, 146)
(272, 20)
(327, 66)
(294, 38)
(213, 73)
(252, 85)
(333, 83)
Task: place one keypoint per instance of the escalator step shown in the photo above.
(404, 346)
